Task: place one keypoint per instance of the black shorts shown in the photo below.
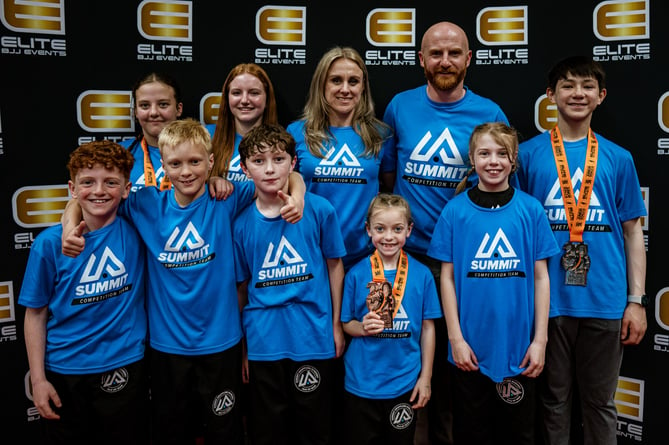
(102, 408)
(197, 396)
(386, 421)
(291, 402)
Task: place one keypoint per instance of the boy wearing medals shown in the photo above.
(590, 190)
(388, 364)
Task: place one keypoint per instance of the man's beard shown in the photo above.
(443, 83)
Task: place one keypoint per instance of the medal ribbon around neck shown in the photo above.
(399, 286)
(149, 172)
(576, 213)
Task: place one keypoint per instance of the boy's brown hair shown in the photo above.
(107, 153)
(266, 137)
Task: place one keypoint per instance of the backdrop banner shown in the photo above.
(68, 68)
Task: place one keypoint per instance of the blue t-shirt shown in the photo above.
(493, 252)
(289, 310)
(97, 320)
(387, 365)
(344, 177)
(192, 295)
(616, 198)
(429, 152)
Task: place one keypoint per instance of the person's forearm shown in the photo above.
(71, 216)
(35, 337)
(296, 185)
(336, 274)
(542, 291)
(427, 347)
(449, 302)
(635, 255)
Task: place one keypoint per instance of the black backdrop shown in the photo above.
(67, 69)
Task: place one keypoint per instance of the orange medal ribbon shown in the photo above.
(149, 172)
(576, 214)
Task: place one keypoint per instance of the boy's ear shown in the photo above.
(128, 187)
(602, 95)
(70, 185)
(242, 164)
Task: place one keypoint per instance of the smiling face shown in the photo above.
(445, 56)
(155, 106)
(493, 163)
(576, 97)
(389, 229)
(99, 191)
(343, 88)
(247, 100)
(187, 165)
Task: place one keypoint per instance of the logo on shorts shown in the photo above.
(307, 379)
(510, 391)
(223, 403)
(401, 416)
(114, 381)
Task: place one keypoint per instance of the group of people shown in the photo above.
(421, 278)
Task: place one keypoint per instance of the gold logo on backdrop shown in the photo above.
(6, 302)
(209, 105)
(645, 193)
(391, 27)
(502, 25)
(39, 206)
(622, 20)
(545, 113)
(101, 111)
(165, 20)
(40, 17)
(662, 308)
(663, 112)
(282, 25)
(629, 398)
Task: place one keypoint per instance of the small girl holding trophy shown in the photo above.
(389, 303)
